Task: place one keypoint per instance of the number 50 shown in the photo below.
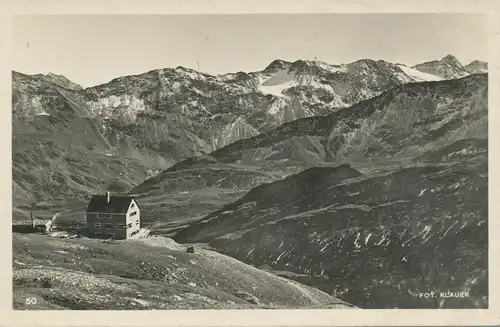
(31, 300)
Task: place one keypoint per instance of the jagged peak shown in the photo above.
(477, 66)
(277, 64)
(193, 73)
(51, 78)
(298, 66)
(184, 68)
(370, 63)
(15, 73)
(49, 74)
(478, 62)
(450, 59)
(52, 75)
(366, 60)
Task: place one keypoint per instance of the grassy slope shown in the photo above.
(153, 273)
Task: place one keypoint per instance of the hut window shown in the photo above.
(104, 215)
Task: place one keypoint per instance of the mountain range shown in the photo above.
(331, 175)
(419, 183)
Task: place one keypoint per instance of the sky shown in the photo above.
(93, 49)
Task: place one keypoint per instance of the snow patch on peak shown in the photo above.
(277, 83)
(124, 107)
(418, 75)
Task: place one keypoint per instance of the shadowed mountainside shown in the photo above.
(375, 241)
(415, 206)
(402, 122)
(148, 122)
(58, 145)
(113, 136)
(400, 126)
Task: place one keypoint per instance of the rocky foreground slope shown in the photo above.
(154, 273)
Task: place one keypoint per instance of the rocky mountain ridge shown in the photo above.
(154, 120)
(477, 67)
(448, 68)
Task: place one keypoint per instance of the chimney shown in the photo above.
(107, 197)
